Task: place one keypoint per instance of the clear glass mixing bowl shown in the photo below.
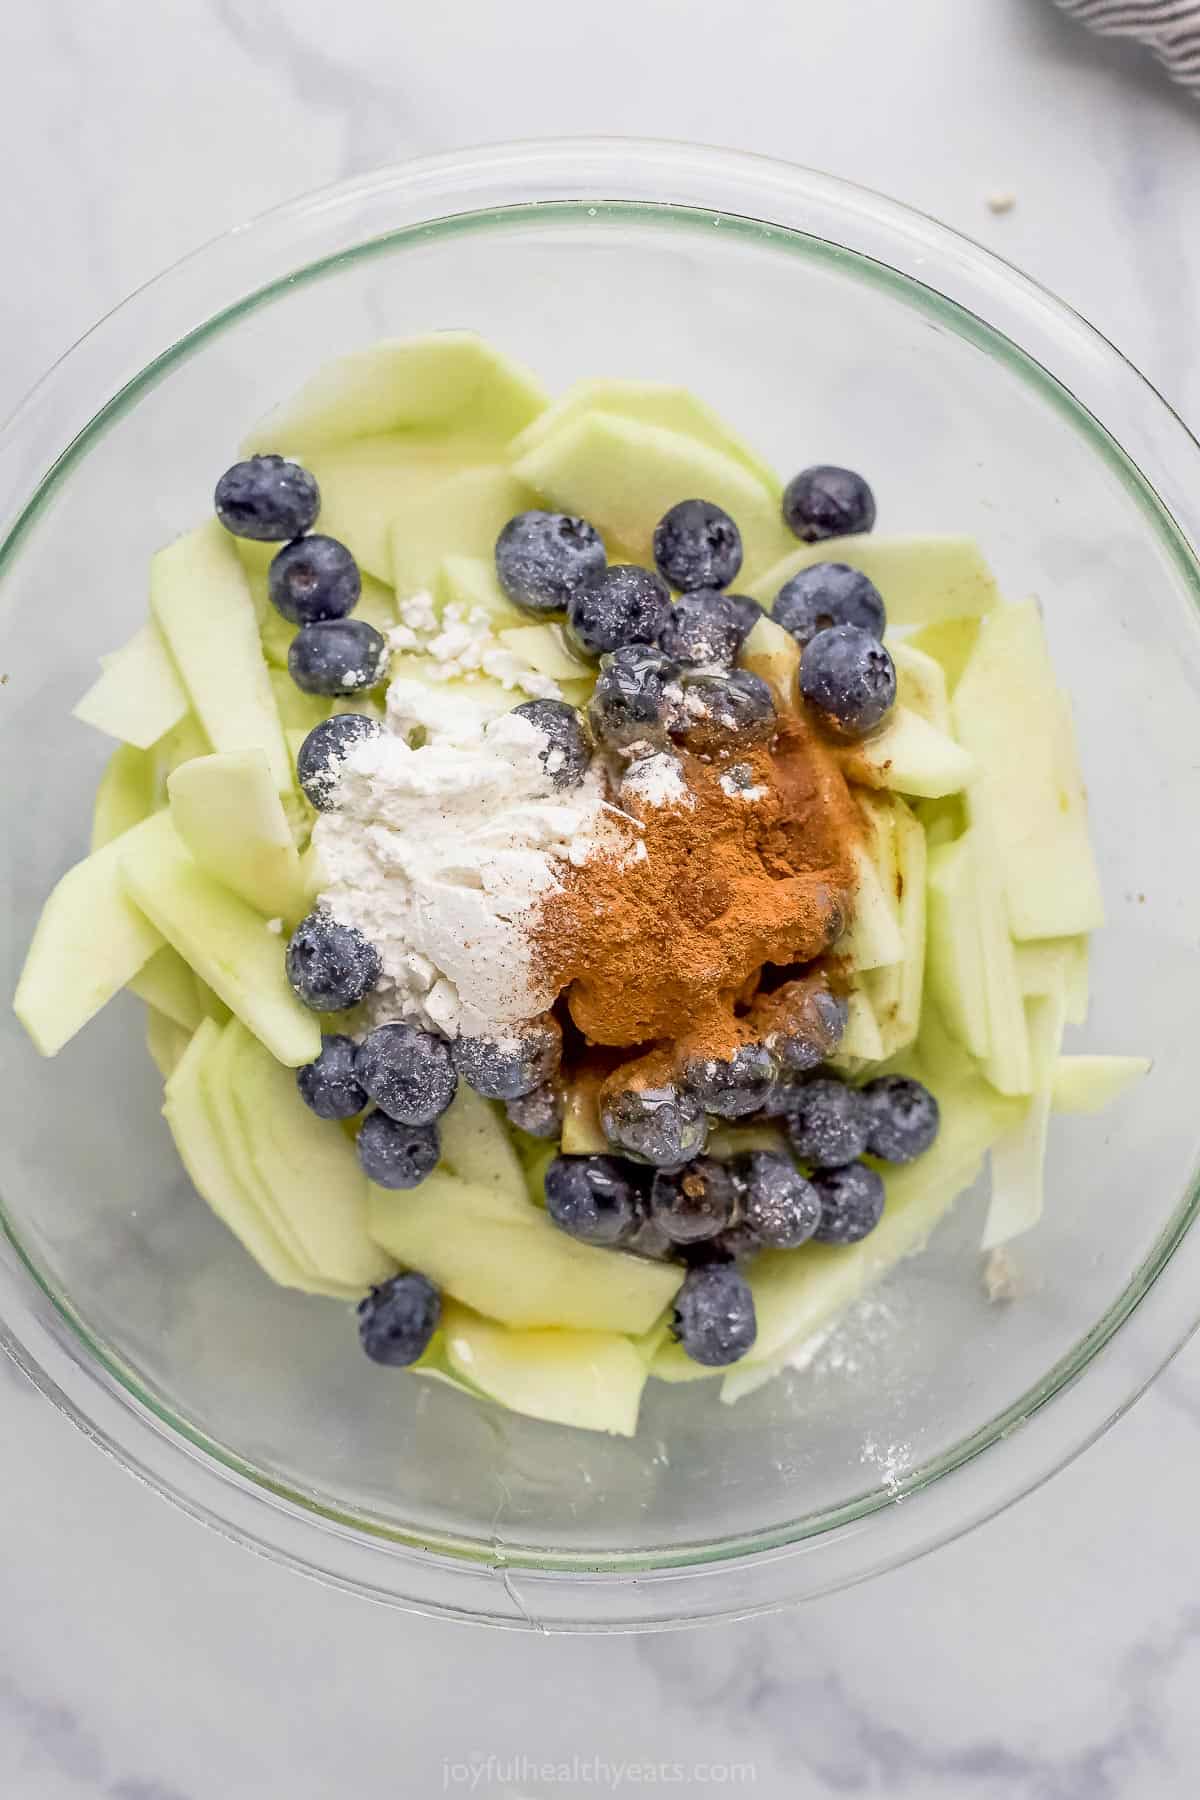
(827, 324)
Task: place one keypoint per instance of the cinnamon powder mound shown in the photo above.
(663, 946)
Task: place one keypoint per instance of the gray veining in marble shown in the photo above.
(1052, 1655)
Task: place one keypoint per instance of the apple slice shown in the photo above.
(650, 403)
(472, 583)
(228, 813)
(592, 1380)
(923, 580)
(462, 515)
(955, 951)
(1034, 803)
(188, 739)
(910, 756)
(1087, 1084)
(168, 986)
(139, 696)
(545, 648)
(862, 1041)
(476, 1145)
(623, 476)
(127, 794)
(921, 685)
(311, 1173)
(773, 655)
(166, 1041)
(224, 940)
(514, 1265)
(896, 992)
(89, 942)
(364, 481)
(1019, 1157)
(874, 940)
(950, 643)
(201, 598)
(406, 383)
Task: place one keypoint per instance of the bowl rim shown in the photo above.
(980, 296)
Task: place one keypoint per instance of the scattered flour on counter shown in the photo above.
(441, 854)
(462, 642)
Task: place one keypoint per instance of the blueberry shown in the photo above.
(849, 680)
(828, 1124)
(594, 1198)
(267, 498)
(695, 1202)
(663, 1125)
(717, 710)
(407, 1072)
(539, 1112)
(903, 1118)
(398, 1318)
(338, 657)
(707, 627)
(828, 594)
(506, 1068)
(811, 1024)
(696, 545)
(568, 753)
(326, 745)
(633, 697)
(627, 605)
(714, 1315)
(393, 1155)
(732, 1086)
(543, 558)
(851, 1199)
(331, 966)
(825, 502)
(314, 578)
(780, 1208)
(330, 1085)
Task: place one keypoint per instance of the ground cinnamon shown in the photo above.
(669, 947)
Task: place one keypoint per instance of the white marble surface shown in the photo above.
(1050, 1656)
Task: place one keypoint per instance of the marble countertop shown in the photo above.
(1050, 1655)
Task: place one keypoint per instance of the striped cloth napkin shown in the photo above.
(1171, 28)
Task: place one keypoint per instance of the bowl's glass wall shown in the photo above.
(814, 356)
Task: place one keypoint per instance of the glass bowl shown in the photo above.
(827, 324)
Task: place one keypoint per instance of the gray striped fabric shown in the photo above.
(1171, 28)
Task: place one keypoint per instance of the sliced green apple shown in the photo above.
(226, 942)
(910, 756)
(773, 655)
(896, 992)
(417, 383)
(365, 481)
(471, 582)
(875, 940)
(188, 739)
(166, 1041)
(582, 1134)
(1008, 1063)
(226, 809)
(311, 1173)
(201, 599)
(545, 648)
(1019, 1156)
(1087, 1084)
(624, 475)
(862, 1040)
(297, 710)
(651, 403)
(592, 1380)
(1034, 803)
(89, 942)
(139, 695)
(921, 684)
(950, 643)
(476, 1145)
(462, 515)
(955, 970)
(923, 580)
(127, 794)
(169, 987)
(514, 1265)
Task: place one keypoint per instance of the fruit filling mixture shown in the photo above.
(596, 907)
